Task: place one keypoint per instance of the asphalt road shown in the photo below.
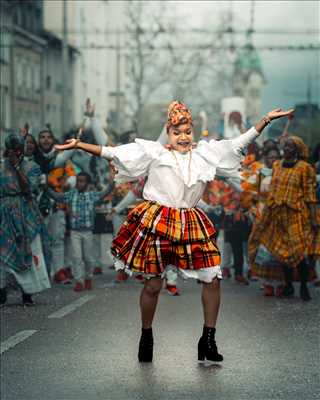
(83, 346)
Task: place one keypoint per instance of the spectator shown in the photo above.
(59, 172)
(288, 229)
(21, 224)
(81, 204)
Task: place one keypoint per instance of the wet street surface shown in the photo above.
(83, 346)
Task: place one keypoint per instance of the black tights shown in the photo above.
(303, 272)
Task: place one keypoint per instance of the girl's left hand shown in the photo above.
(68, 145)
(279, 113)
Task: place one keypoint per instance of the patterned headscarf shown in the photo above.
(178, 113)
(302, 148)
(14, 142)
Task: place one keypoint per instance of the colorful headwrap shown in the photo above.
(178, 113)
(14, 142)
(302, 148)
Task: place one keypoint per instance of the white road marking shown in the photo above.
(14, 340)
(71, 307)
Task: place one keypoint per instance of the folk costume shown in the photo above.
(284, 230)
(167, 228)
(24, 242)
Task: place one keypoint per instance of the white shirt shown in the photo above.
(170, 180)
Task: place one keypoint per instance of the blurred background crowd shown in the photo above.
(59, 211)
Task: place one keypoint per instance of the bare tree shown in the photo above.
(163, 61)
(146, 71)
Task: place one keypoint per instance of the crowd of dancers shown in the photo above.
(61, 210)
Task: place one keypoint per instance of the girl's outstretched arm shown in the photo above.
(77, 144)
(242, 141)
(274, 114)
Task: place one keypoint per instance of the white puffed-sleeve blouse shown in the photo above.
(175, 179)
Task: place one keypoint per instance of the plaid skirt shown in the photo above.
(155, 236)
(286, 233)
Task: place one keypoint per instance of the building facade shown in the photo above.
(5, 65)
(97, 68)
(53, 81)
(22, 65)
(31, 78)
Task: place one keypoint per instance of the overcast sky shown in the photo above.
(286, 71)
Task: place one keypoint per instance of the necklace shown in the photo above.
(179, 168)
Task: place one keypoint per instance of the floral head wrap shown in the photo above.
(178, 113)
(14, 142)
(302, 148)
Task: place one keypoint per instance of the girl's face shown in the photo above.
(29, 146)
(181, 137)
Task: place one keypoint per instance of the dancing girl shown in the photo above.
(167, 229)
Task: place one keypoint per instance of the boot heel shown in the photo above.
(207, 348)
(201, 357)
(145, 353)
(201, 352)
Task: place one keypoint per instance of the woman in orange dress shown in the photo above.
(288, 226)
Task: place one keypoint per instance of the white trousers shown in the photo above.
(101, 248)
(67, 252)
(56, 223)
(81, 243)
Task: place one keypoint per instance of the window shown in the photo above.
(37, 79)
(4, 107)
(17, 20)
(29, 77)
(19, 66)
(24, 67)
(48, 82)
(4, 46)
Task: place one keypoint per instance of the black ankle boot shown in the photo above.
(3, 296)
(304, 292)
(288, 291)
(27, 300)
(146, 346)
(303, 269)
(207, 348)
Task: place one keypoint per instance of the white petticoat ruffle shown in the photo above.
(206, 275)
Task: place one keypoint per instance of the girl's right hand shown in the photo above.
(69, 144)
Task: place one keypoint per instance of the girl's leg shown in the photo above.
(207, 348)
(149, 300)
(148, 303)
(210, 302)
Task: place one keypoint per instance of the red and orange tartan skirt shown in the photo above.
(155, 236)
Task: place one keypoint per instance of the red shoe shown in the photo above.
(121, 276)
(172, 290)
(279, 290)
(78, 287)
(68, 273)
(60, 276)
(252, 277)
(139, 277)
(241, 280)
(88, 284)
(97, 271)
(268, 290)
(226, 274)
